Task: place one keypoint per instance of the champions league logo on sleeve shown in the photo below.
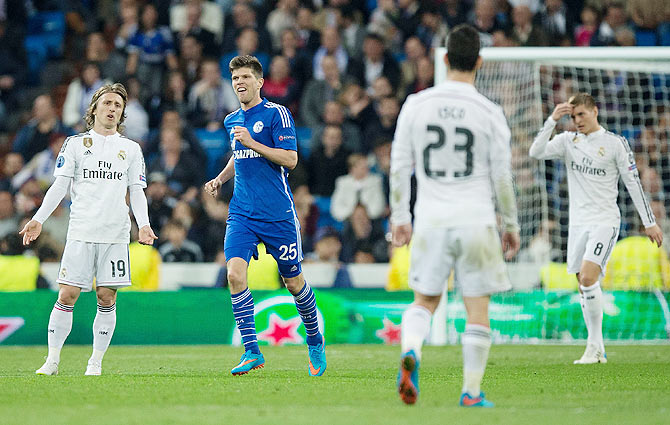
(60, 161)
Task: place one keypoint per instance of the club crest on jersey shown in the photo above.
(122, 155)
(63, 273)
(88, 142)
(601, 151)
(258, 126)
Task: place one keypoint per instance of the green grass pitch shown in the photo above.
(193, 385)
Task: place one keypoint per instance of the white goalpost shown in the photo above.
(631, 86)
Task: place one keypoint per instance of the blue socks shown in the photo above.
(243, 310)
(305, 302)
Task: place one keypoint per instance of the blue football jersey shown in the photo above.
(261, 187)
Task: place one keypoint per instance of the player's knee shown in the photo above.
(587, 279)
(236, 278)
(294, 284)
(106, 298)
(68, 296)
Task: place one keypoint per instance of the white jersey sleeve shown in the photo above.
(625, 161)
(402, 162)
(501, 171)
(67, 159)
(543, 148)
(136, 168)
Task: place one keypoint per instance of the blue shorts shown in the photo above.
(281, 238)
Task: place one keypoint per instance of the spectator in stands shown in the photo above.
(331, 45)
(112, 64)
(171, 118)
(425, 76)
(175, 98)
(211, 98)
(382, 163)
(300, 60)
(589, 26)
(360, 234)
(190, 60)
(358, 187)
(648, 15)
(524, 31)
(183, 172)
(327, 247)
(384, 126)
(318, 92)
(41, 167)
(129, 17)
(79, 94)
(557, 22)
(209, 226)
(615, 19)
(159, 199)
(178, 249)
(376, 61)
(381, 88)
(279, 86)
(404, 14)
(308, 37)
(11, 79)
(246, 43)
(150, 51)
(34, 136)
(308, 215)
(353, 33)
(624, 37)
(28, 197)
(359, 108)
(137, 119)
(9, 220)
(327, 162)
(454, 12)
(485, 19)
(13, 163)
(192, 27)
(433, 29)
(333, 114)
(282, 17)
(414, 50)
(244, 16)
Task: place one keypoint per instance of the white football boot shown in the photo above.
(592, 354)
(93, 368)
(48, 368)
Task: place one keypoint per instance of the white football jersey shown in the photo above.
(594, 164)
(458, 143)
(102, 168)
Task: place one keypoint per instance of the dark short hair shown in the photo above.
(463, 48)
(246, 61)
(582, 99)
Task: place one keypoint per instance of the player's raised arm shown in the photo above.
(542, 148)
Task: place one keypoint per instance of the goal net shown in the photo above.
(631, 87)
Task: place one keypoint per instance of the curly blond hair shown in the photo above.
(117, 88)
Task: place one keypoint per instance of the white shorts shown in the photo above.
(590, 243)
(474, 253)
(108, 263)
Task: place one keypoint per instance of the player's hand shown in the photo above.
(655, 234)
(146, 236)
(31, 231)
(212, 186)
(242, 135)
(560, 110)
(401, 234)
(510, 244)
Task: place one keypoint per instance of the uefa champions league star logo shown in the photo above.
(258, 126)
(278, 322)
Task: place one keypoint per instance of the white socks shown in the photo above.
(592, 308)
(476, 344)
(415, 328)
(103, 329)
(60, 325)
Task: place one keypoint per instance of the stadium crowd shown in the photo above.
(343, 67)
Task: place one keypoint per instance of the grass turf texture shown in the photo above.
(193, 385)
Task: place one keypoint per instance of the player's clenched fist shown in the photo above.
(212, 187)
(31, 231)
(242, 135)
(560, 110)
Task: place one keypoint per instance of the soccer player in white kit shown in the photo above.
(595, 159)
(100, 166)
(458, 143)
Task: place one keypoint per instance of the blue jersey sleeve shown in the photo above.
(283, 129)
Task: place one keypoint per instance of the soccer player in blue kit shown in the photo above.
(264, 147)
